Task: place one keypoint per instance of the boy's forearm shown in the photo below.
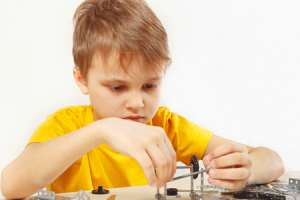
(37, 167)
(267, 166)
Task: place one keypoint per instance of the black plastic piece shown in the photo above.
(244, 195)
(278, 197)
(227, 193)
(172, 192)
(100, 190)
(266, 196)
(195, 163)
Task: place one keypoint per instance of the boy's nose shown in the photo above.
(135, 102)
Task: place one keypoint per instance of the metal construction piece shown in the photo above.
(205, 192)
(194, 174)
(294, 182)
(212, 187)
(191, 174)
(158, 195)
(165, 192)
(192, 179)
(81, 195)
(202, 181)
(57, 197)
(184, 167)
(45, 194)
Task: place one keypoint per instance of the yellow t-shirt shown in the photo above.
(103, 166)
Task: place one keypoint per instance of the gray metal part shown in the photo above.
(158, 196)
(81, 195)
(45, 194)
(294, 182)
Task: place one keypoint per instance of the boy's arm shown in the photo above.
(235, 165)
(41, 163)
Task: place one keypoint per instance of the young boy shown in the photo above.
(124, 138)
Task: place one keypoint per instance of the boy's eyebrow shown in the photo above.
(155, 78)
(123, 81)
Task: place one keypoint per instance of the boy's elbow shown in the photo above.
(280, 166)
(6, 193)
(6, 189)
(9, 187)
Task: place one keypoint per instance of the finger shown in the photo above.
(230, 160)
(173, 157)
(165, 151)
(148, 168)
(227, 149)
(230, 173)
(206, 162)
(160, 163)
(228, 184)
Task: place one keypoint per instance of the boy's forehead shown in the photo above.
(135, 67)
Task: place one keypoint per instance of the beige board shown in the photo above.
(148, 193)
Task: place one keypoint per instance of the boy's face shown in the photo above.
(114, 93)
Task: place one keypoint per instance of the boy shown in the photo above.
(123, 138)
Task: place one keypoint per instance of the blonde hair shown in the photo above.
(128, 27)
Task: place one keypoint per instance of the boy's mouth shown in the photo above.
(135, 118)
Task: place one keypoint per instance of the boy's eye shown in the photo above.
(116, 88)
(148, 86)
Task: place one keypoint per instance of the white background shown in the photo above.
(235, 69)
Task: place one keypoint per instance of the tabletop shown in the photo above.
(148, 193)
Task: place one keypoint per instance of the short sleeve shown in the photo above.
(186, 137)
(61, 122)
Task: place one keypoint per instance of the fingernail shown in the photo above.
(161, 185)
(207, 167)
(212, 173)
(211, 181)
(210, 157)
(153, 184)
(171, 178)
(213, 164)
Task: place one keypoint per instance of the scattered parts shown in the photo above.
(100, 190)
(268, 196)
(227, 193)
(212, 187)
(244, 195)
(45, 194)
(81, 195)
(48, 195)
(294, 182)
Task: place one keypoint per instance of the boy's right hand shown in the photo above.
(148, 145)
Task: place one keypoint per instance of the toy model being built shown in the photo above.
(194, 168)
(277, 190)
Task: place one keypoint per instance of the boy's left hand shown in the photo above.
(231, 166)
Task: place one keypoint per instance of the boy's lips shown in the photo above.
(135, 118)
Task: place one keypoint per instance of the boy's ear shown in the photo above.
(80, 81)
